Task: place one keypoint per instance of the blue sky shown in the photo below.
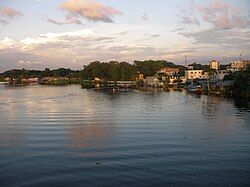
(35, 34)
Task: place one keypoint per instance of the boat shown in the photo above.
(194, 88)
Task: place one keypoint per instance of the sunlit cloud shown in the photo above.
(7, 14)
(222, 15)
(89, 10)
(57, 37)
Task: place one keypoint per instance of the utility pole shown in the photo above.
(186, 61)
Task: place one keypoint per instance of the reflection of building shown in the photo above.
(195, 74)
(215, 65)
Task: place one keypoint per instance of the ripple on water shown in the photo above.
(72, 137)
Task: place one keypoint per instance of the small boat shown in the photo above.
(194, 88)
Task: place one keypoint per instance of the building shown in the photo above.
(220, 74)
(214, 65)
(175, 79)
(170, 71)
(195, 74)
(246, 64)
(237, 66)
(153, 81)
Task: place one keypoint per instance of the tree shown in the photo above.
(149, 67)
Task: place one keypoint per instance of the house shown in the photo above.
(170, 71)
(153, 81)
(220, 74)
(177, 79)
(29, 80)
(195, 74)
(239, 65)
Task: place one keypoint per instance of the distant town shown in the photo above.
(230, 80)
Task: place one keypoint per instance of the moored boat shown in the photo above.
(194, 88)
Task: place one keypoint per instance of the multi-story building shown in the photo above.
(215, 65)
(195, 74)
(220, 74)
(237, 66)
(170, 71)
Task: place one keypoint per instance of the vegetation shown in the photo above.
(23, 73)
(123, 71)
(241, 86)
(150, 67)
(109, 71)
(1, 79)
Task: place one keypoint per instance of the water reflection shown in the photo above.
(92, 135)
(138, 137)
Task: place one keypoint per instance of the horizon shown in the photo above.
(39, 34)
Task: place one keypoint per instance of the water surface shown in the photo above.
(68, 136)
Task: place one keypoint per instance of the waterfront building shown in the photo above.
(195, 74)
(152, 81)
(220, 74)
(170, 71)
(237, 66)
(215, 65)
(175, 79)
(246, 64)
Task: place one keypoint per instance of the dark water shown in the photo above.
(68, 136)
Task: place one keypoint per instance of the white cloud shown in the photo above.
(57, 37)
(25, 62)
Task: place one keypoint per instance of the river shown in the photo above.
(68, 136)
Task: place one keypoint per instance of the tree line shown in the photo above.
(112, 70)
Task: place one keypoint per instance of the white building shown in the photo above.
(195, 74)
(215, 65)
(220, 74)
(152, 81)
(237, 66)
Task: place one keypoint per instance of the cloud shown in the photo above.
(188, 17)
(176, 30)
(222, 15)
(55, 22)
(220, 37)
(155, 35)
(144, 17)
(69, 20)
(57, 37)
(90, 10)
(25, 62)
(219, 14)
(7, 14)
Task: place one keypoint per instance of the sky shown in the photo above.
(35, 34)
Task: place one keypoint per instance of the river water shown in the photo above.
(68, 136)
